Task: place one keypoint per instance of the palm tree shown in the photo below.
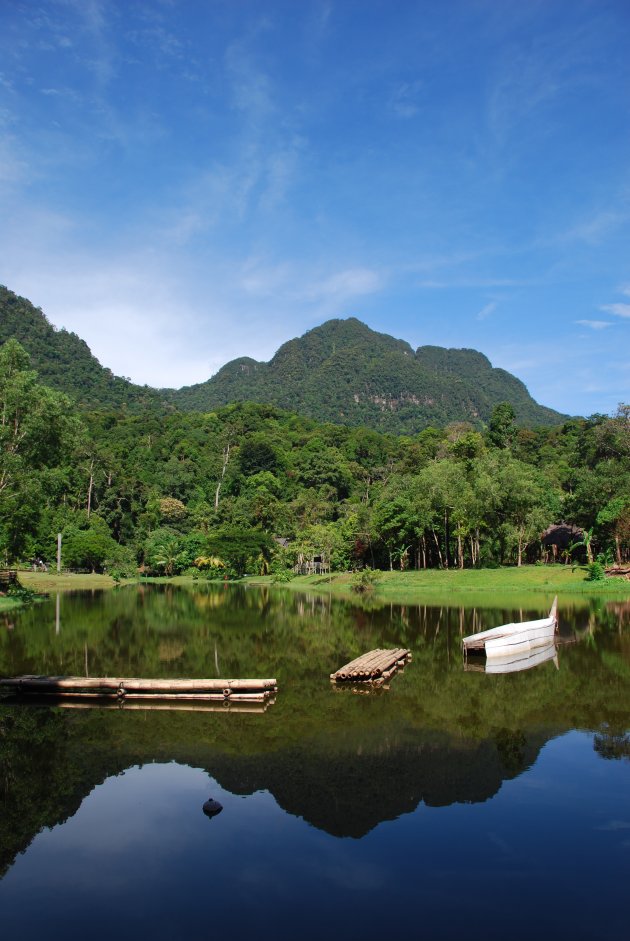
(586, 541)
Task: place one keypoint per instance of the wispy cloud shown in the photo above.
(486, 311)
(595, 324)
(262, 279)
(99, 55)
(614, 825)
(533, 77)
(251, 87)
(595, 228)
(619, 310)
(344, 285)
(404, 101)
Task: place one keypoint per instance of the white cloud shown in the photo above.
(160, 316)
(619, 310)
(325, 293)
(486, 311)
(595, 324)
(343, 285)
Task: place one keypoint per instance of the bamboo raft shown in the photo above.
(375, 667)
(145, 690)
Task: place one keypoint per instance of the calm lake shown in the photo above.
(453, 804)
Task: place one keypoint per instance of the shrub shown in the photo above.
(364, 581)
(595, 572)
(283, 575)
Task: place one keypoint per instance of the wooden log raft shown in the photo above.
(241, 690)
(375, 666)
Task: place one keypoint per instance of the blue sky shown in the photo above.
(186, 181)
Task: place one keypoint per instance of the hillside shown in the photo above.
(344, 372)
(341, 372)
(64, 361)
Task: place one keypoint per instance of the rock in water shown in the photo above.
(211, 808)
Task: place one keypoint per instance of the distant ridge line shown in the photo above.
(341, 372)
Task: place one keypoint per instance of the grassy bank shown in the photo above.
(50, 581)
(416, 585)
(391, 586)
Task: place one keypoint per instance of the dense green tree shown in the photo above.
(167, 488)
(502, 427)
(91, 547)
(38, 432)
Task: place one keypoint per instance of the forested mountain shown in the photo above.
(341, 372)
(192, 491)
(346, 373)
(64, 361)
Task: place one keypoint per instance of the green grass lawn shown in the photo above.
(403, 587)
(548, 579)
(50, 581)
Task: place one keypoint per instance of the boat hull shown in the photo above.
(522, 641)
(514, 639)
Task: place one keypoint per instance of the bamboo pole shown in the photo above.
(368, 659)
(109, 696)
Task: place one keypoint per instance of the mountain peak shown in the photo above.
(340, 371)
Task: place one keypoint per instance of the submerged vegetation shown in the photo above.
(251, 489)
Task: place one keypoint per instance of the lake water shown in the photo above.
(453, 804)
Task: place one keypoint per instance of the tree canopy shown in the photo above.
(253, 487)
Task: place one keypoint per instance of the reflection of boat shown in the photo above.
(514, 640)
(513, 662)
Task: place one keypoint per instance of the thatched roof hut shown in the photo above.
(561, 535)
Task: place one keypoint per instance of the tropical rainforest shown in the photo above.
(132, 477)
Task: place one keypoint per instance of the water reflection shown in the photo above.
(341, 766)
(513, 663)
(136, 859)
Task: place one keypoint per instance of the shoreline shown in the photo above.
(419, 585)
(413, 586)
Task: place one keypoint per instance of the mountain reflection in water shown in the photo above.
(370, 768)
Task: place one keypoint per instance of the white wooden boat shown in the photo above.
(514, 640)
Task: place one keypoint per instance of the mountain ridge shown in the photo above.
(344, 372)
(341, 372)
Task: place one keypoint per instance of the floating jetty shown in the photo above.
(375, 667)
(145, 691)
